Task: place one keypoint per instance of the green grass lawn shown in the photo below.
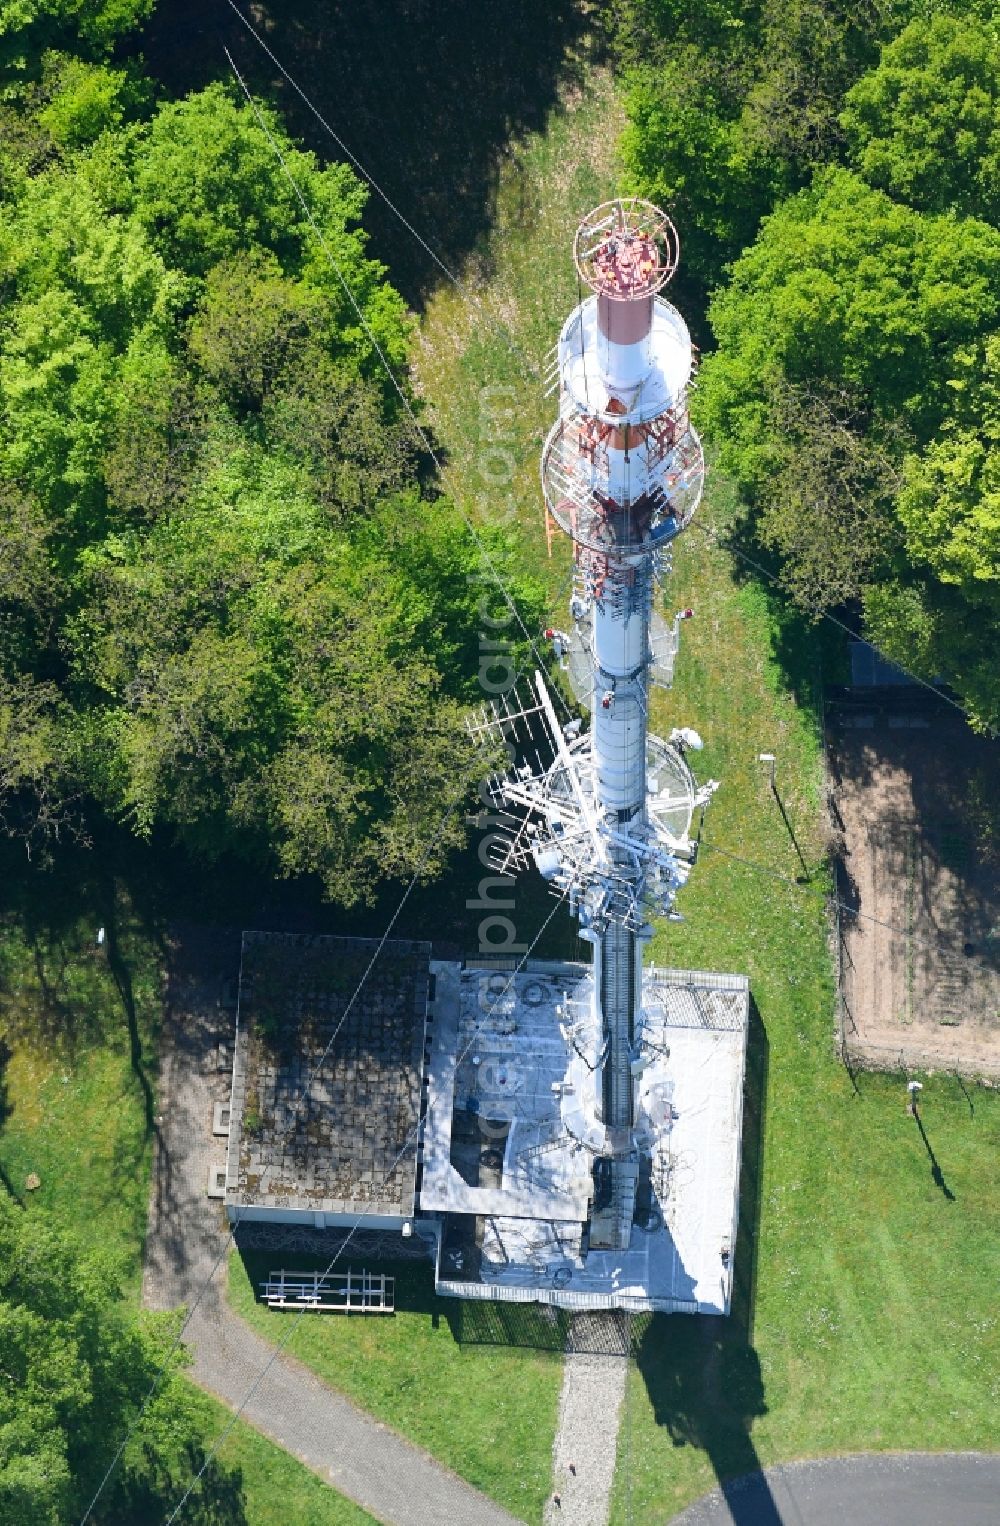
(865, 1314)
(479, 365)
(78, 1027)
(74, 1096)
(277, 1490)
(488, 1411)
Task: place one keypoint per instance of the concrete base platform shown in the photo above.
(512, 1132)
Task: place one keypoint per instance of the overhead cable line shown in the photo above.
(418, 428)
(829, 900)
(410, 1142)
(464, 290)
(728, 544)
(527, 363)
(166, 1366)
(424, 440)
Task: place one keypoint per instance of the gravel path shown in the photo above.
(392, 1479)
(916, 1489)
(583, 1454)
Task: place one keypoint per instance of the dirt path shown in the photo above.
(922, 960)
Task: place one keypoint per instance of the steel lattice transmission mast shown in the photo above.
(608, 822)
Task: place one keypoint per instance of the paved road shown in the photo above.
(392, 1479)
(369, 1462)
(909, 1489)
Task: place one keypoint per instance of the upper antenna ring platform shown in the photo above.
(626, 249)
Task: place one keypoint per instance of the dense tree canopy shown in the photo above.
(233, 611)
(948, 610)
(844, 287)
(950, 501)
(925, 124)
(260, 676)
(853, 396)
(77, 1365)
(91, 27)
(852, 391)
(685, 148)
(732, 108)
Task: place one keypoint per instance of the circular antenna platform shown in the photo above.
(626, 249)
(590, 507)
(672, 792)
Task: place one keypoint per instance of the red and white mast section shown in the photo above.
(608, 822)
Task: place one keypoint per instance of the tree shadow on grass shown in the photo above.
(6, 1108)
(68, 915)
(803, 649)
(427, 94)
(810, 652)
(702, 1373)
(66, 920)
(167, 887)
(46, 976)
(146, 1495)
(122, 976)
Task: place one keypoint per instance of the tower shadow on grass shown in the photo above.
(702, 1373)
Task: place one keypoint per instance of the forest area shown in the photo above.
(836, 170)
(240, 613)
(237, 605)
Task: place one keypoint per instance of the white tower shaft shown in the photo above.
(608, 822)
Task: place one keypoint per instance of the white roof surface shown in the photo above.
(690, 1107)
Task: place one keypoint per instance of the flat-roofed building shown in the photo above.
(327, 1080)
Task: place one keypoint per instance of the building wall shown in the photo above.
(309, 1218)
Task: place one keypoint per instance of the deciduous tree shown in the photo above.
(925, 124)
(76, 1367)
